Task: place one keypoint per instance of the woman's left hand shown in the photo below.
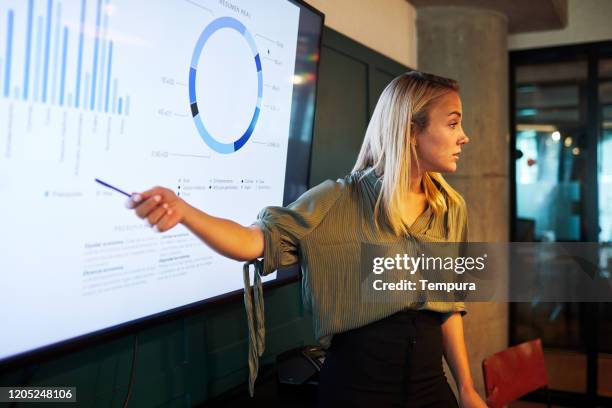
(469, 398)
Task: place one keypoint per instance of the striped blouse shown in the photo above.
(324, 230)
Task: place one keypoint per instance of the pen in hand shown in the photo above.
(133, 197)
(113, 188)
(159, 206)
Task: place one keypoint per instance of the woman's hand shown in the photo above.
(469, 398)
(161, 208)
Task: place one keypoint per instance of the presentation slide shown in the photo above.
(192, 95)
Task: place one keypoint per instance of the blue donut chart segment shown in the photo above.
(215, 25)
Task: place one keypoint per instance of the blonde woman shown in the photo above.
(381, 354)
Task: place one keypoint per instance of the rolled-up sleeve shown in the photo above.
(284, 227)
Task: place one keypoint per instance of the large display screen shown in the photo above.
(213, 99)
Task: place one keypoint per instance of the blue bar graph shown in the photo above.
(63, 75)
(47, 49)
(101, 82)
(80, 56)
(28, 51)
(48, 58)
(39, 29)
(95, 57)
(108, 75)
(56, 48)
(9, 50)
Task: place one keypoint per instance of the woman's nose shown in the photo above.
(465, 139)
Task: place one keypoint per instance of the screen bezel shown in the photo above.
(285, 276)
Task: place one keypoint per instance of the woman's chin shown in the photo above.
(446, 168)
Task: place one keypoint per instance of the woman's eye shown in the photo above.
(453, 125)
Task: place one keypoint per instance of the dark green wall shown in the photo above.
(189, 360)
(351, 78)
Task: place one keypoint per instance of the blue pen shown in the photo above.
(113, 188)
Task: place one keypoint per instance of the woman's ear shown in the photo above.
(413, 131)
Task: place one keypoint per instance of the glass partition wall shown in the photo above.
(561, 119)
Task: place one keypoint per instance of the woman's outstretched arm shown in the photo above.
(163, 210)
(456, 357)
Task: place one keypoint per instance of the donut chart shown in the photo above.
(209, 139)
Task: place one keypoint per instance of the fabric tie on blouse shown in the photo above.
(254, 305)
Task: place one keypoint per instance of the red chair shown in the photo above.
(514, 372)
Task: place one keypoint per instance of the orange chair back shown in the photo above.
(514, 372)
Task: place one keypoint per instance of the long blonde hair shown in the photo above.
(387, 146)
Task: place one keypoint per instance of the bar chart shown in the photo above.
(36, 71)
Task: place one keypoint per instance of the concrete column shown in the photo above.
(470, 45)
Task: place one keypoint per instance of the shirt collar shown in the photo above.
(373, 184)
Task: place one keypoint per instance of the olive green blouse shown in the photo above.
(324, 231)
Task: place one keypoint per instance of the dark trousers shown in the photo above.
(394, 362)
